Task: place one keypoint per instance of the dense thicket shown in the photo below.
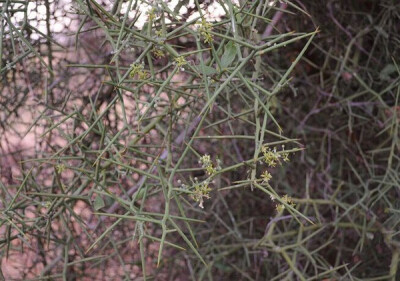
(199, 140)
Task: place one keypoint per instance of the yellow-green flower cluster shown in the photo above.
(201, 191)
(152, 14)
(205, 31)
(272, 156)
(46, 204)
(159, 33)
(60, 168)
(139, 70)
(266, 176)
(180, 61)
(157, 53)
(288, 200)
(284, 154)
(207, 164)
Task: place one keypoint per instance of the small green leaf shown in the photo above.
(223, 267)
(207, 70)
(108, 200)
(229, 55)
(388, 70)
(98, 203)
(138, 195)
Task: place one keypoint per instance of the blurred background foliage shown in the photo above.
(107, 106)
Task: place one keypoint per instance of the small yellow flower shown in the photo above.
(211, 170)
(60, 168)
(201, 191)
(284, 154)
(266, 176)
(205, 160)
(143, 75)
(139, 70)
(280, 207)
(136, 68)
(159, 33)
(271, 157)
(158, 53)
(46, 204)
(180, 61)
(285, 157)
(207, 164)
(152, 14)
(205, 31)
(288, 200)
